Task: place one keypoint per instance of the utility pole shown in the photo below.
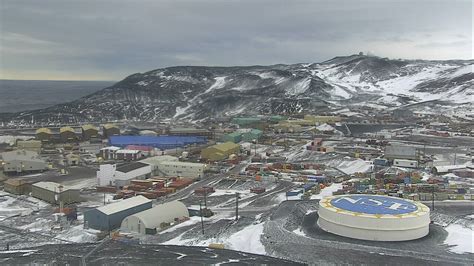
(432, 198)
(205, 198)
(202, 220)
(236, 206)
(455, 155)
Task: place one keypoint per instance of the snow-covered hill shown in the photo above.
(195, 92)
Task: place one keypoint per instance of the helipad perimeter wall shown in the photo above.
(405, 225)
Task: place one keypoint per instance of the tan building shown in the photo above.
(54, 193)
(29, 145)
(220, 151)
(17, 186)
(323, 118)
(89, 132)
(44, 134)
(110, 130)
(67, 134)
(22, 161)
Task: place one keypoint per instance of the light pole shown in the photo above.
(202, 220)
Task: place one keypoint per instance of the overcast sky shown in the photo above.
(108, 40)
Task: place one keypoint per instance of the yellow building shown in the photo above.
(67, 134)
(220, 151)
(110, 130)
(89, 131)
(287, 127)
(322, 118)
(29, 145)
(44, 134)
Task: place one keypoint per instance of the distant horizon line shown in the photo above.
(248, 65)
(74, 80)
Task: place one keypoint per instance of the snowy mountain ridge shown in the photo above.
(197, 92)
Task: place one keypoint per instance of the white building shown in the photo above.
(21, 161)
(170, 166)
(397, 151)
(155, 219)
(111, 175)
(405, 163)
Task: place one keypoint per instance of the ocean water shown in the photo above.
(23, 95)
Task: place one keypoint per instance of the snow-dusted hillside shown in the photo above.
(201, 92)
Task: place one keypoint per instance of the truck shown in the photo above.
(405, 163)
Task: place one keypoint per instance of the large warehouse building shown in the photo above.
(109, 217)
(119, 176)
(160, 142)
(67, 134)
(155, 219)
(220, 151)
(54, 193)
(166, 165)
(22, 161)
(89, 132)
(44, 134)
(110, 130)
(374, 217)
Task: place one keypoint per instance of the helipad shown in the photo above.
(374, 217)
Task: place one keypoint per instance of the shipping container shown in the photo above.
(257, 190)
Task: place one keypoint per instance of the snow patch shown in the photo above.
(460, 239)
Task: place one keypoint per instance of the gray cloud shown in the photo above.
(107, 39)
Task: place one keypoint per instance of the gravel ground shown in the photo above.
(114, 253)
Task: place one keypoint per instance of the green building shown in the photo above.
(234, 137)
(252, 134)
(246, 121)
(277, 118)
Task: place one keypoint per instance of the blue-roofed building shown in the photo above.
(160, 142)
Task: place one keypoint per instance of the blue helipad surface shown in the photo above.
(374, 204)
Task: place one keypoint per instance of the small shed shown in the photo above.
(156, 218)
(110, 217)
(17, 186)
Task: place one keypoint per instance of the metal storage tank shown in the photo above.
(152, 220)
(374, 217)
(44, 134)
(89, 131)
(109, 217)
(110, 130)
(67, 134)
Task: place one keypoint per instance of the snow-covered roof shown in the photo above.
(447, 168)
(21, 155)
(111, 148)
(123, 205)
(51, 186)
(158, 159)
(127, 152)
(163, 213)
